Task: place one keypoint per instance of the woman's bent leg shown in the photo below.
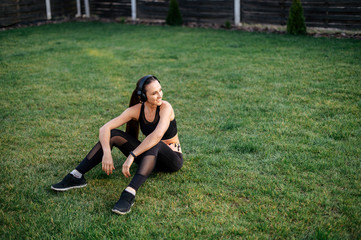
(75, 179)
(146, 164)
(119, 139)
(160, 157)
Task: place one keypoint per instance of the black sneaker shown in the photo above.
(125, 202)
(69, 182)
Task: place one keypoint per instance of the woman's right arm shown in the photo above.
(104, 135)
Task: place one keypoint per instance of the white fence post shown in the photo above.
(78, 8)
(134, 9)
(86, 5)
(48, 9)
(237, 12)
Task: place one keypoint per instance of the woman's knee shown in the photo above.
(116, 132)
(117, 138)
(153, 151)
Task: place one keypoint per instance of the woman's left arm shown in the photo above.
(152, 139)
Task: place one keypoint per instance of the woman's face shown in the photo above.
(154, 93)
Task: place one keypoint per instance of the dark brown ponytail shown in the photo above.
(133, 125)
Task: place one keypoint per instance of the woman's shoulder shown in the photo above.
(166, 105)
(136, 106)
(167, 108)
(134, 111)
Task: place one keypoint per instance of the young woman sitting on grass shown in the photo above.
(159, 150)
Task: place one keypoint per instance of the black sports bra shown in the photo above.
(148, 127)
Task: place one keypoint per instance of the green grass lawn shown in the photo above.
(270, 127)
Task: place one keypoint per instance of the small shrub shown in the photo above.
(174, 16)
(296, 20)
(121, 20)
(227, 25)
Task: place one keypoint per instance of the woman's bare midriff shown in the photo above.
(173, 143)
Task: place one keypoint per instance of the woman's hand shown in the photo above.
(107, 164)
(126, 166)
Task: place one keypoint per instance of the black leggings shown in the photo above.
(160, 157)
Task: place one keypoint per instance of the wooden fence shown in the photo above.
(110, 8)
(24, 11)
(343, 14)
(200, 11)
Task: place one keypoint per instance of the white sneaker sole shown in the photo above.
(121, 213)
(66, 189)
